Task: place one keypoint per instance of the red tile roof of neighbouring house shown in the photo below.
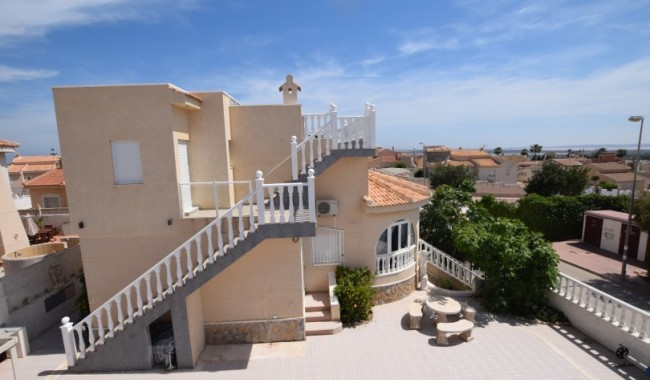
(52, 178)
(29, 168)
(387, 190)
(49, 159)
(8, 144)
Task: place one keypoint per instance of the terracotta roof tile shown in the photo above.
(28, 168)
(8, 144)
(52, 178)
(469, 153)
(485, 162)
(36, 159)
(387, 190)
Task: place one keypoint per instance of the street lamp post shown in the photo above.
(633, 119)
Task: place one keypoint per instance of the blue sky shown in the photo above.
(465, 73)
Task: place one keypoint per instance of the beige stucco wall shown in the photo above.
(266, 283)
(125, 226)
(194, 308)
(261, 139)
(38, 192)
(347, 182)
(12, 231)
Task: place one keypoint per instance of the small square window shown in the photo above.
(127, 163)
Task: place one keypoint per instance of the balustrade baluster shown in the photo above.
(159, 290)
(251, 217)
(301, 208)
(111, 325)
(220, 238)
(644, 328)
(199, 253)
(311, 152)
(231, 233)
(179, 269)
(120, 313)
(147, 282)
(100, 326)
(210, 246)
(240, 212)
(170, 283)
(634, 320)
(91, 335)
(81, 341)
(188, 260)
(271, 203)
(129, 306)
(138, 297)
(291, 192)
(303, 161)
(281, 203)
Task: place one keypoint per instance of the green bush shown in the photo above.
(560, 217)
(355, 293)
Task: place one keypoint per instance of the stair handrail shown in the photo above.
(453, 267)
(184, 268)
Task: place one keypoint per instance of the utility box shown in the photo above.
(606, 229)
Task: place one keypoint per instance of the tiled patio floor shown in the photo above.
(383, 349)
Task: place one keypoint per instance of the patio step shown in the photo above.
(323, 328)
(317, 301)
(318, 316)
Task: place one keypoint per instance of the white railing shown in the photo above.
(448, 264)
(395, 262)
(609, 193)
(41, 211)
(328, 131)
(327, 246)
(618, 313)
(183, 264)
(214, 191)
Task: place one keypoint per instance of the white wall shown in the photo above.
(610, 236)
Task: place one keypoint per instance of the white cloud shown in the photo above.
(29, 18)
(416, 41)
(12, 74)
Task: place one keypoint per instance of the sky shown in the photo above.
(464, 73)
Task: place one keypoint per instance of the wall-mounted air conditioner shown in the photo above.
(326, 207)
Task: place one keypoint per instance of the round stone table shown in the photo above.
(443, 306)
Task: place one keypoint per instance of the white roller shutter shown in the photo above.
(127, 163)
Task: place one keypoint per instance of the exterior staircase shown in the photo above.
(94, 343)
(318, 316)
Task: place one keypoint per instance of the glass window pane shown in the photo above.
(382, 244)
(394, 237)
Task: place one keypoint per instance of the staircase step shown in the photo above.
(323, 328)
(317, 301)
(318, 316)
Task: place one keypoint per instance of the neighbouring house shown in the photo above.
(49, 199)
(617, 173)
(486, 167)
(385, 158)
(13, 236)
(217, 218)
(25, 168)
(606, 229)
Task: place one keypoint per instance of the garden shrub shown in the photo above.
(355, 293)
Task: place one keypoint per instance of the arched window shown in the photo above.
(395, 249)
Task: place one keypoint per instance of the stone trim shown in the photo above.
(265, 331)
(394, 292)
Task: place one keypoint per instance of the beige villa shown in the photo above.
(221, 218)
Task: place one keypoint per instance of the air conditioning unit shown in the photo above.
(326, 207)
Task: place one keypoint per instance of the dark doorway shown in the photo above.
(633, 244)
(593, 231)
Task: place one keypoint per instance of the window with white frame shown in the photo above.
(395, 249)
(51, 200)
(327, 246)
(127, 164)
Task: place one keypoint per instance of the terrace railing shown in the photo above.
(395, 261)
(449, 265)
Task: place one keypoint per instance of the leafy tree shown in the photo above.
(569, 152)
(642, 211)
(599, 152)
(445, 210)
(524, 152)
(418, 173)
(609, 185)
(498, 208)
(620, 153)
(536, 148)
(453, 176)
(400, 165)
(519, 265)
(555, 179)
(498, 151)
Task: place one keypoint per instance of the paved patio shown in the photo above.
(381, 349)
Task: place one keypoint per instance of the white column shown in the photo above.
(68, 341)
(294, 158)
(259, 189)
(312, 196)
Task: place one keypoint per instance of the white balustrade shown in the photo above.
(448, 264)
(395, 262)
(324, 132)
(189, 259)
(214, 190)
(611, 309)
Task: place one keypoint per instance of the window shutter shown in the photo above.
(127, 163)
